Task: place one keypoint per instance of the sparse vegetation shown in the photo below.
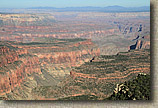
(41, 49)
(115, 71)
(82, 97)
(137, 89)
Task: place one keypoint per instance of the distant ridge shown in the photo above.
(97, 9)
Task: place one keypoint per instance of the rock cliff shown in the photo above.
(40, 62)
(141, 43)
(15, 68)
(25, 19)
(99, 76)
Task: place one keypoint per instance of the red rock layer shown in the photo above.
(69, 57)
(11, 74)
(17, 65)
(136, 70)
(62, 56)
(10, 36)
(7, 56)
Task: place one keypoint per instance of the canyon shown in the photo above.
(57, 55)
(112, 32)
(98, 78)
(22, 61)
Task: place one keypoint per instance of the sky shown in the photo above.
(71, 3)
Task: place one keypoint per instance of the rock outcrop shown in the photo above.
(99, 77)
(142, 43)
(7, 56)
(21, 61)
(14, 69)
(25, 19)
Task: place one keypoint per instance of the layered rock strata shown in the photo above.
(40, 62)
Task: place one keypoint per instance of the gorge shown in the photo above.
(62, 55)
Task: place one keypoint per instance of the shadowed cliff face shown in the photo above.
(59, 56)
(36, 65)
(44, 63)
(99, 77)
(141, 43)
(112, 32)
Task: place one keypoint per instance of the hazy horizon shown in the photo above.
(69, 7)
(72, 3)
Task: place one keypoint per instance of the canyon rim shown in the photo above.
(75, 53)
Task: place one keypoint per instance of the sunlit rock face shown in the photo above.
(57, 55)
(20, 62)
(25, 19)
(141, 43)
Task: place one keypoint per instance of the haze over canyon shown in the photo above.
(58, 54)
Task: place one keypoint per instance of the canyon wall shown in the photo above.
(14, 69)
(112, 32)
(99, 76)
(25, 19)
(141, 43)
(20, 62)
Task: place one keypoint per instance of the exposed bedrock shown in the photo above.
(19, 65)
(26, 19)
(15, 69)
(140, 44)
